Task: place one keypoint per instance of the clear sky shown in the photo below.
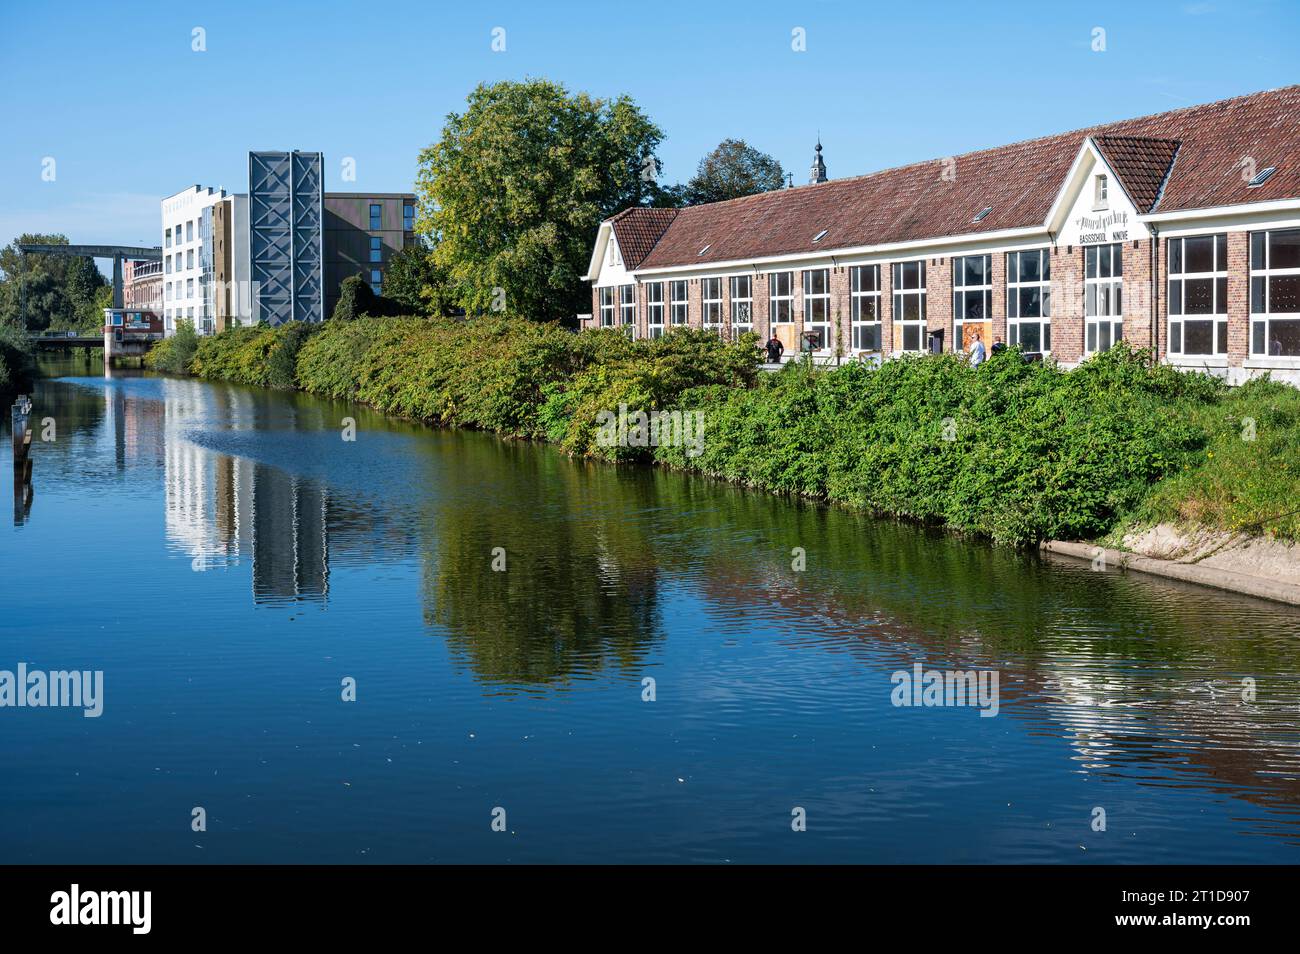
(115, 94)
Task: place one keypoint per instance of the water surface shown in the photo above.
(227, 560)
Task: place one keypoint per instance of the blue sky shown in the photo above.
(131, 113)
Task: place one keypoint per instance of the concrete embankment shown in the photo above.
(1280, 583)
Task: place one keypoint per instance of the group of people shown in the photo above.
(976, 351)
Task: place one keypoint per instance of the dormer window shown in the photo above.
(982, 214)
(820, 235)
(1261, 177)
(1100, 194)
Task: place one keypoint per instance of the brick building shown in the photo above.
(1178, 232)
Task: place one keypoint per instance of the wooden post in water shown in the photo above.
(20, 416)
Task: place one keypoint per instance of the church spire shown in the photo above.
(818, 172)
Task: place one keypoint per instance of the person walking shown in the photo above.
(976, 352)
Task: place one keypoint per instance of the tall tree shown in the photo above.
(513, 191)
(416, 284)
(732, 170)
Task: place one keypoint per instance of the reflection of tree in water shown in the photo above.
(579, 594)
(1140, 677)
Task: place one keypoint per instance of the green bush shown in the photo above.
(1014, 451)
(173, 355)
(17, 361)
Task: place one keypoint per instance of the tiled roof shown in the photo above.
(1018, 181)
(637, 231)
(1141, 162)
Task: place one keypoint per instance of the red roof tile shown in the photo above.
(1207, 145)
(637, 230)
(1142, 164)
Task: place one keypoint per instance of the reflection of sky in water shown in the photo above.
(226, 558)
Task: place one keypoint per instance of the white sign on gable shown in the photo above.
(1101, 213)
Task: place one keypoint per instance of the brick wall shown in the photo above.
(1067, 304)
(938, 302)
(1238, 298)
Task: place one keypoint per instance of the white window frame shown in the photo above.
(654, 309)
(627, 309)
(864, 299)
(780, 300)
(742, 304)
(1043, 284)
(679, 308)
(1100, 193)
(817, 302)
(1217, 276)
(963, 293)
(607, 306)
(1103, 296)
(612, 254)
(901, 293)
(711, 303)
(1263, 320)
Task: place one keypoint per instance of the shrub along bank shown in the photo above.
(1013, 451)
(17, 362)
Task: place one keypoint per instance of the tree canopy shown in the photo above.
(732, 170)
(513, 191)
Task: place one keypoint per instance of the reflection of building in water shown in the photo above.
(132, 423)
(222, 509)
(290, 537)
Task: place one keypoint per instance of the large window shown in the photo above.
(408, 218)
(376, 249)
(607, 307)
(909, 305)
(1029, 299)
(1103, 296)
(1275, 293)
(711, 303)
(972, 297)
(678, 302)
(654, 308)
(742, 304)
(817, 307)
(627, 309)
(376, 217)
(864, 306)
(781, 297)
(1198, 295)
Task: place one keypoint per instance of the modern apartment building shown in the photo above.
(363, 230)
(1178, 232)
(187, 229)
(279, 252)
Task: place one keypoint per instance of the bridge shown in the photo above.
(66, 342)
(116, 252)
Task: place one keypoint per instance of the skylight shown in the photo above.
(982, 213)
(705, 249)
(1261, 177)
(820, 235)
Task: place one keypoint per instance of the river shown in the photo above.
(638, 673)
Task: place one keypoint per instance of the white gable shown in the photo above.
(1083, 216)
